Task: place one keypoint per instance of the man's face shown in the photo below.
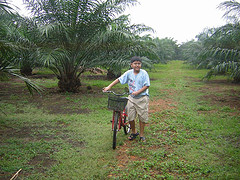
(136, 65)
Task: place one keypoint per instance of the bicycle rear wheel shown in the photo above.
(115, 128)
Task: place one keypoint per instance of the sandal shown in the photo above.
(133, 136)
(142, 139)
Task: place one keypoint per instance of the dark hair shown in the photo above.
(136, 58)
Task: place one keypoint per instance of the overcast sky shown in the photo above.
(181, 20)
(178, 19)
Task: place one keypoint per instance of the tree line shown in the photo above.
(71, 36)
(218, 49)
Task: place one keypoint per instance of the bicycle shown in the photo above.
(117, 103)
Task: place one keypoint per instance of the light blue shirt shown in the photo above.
(136, 82)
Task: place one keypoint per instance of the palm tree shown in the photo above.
(218, 48)
(9, 47)
(225, 52)
(70, 28)
(223, 45)
(83, 34)
(119, 43)
(4, 7)
(232, 10)
(166, 49)
(26, 36)
(190, 52)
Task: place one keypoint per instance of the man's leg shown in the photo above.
(131, 110)
(142, 125)
(134, 131)
(143, 115)
(132, 125)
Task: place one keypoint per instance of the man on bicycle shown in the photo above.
(138, 82)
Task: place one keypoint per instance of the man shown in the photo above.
(138, 100)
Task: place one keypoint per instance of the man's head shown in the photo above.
(136, 58)
(136, 63)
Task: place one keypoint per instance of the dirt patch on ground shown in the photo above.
(43, 161)
(52, 101)
(124, 158)
(222, 93)
(230, 100)
(161, 104)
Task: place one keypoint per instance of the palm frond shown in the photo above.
(232, 10)
(5, 67)
(5, 7)
(226, 67)
(30, 85)
(226, 54)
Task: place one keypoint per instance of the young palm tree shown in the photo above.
(190, 52)
(70, 28)
(119, 43)
(27, 37)
(4, 7)
(166, 49)
(225, 52)
(232, 10)
(9, 46)
(222, 50)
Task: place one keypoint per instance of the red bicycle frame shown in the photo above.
(120, 120)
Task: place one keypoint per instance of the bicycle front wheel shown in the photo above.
(115, 128)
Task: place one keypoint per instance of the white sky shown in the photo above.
(181, 20)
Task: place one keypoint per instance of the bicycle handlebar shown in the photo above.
(116, 93)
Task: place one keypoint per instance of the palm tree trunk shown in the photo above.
(26, 71)
(69, 84)
(113, 74)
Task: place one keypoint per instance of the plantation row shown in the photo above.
(69, 37)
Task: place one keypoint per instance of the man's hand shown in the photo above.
(110, 85)
(105, 89)
(140, 91)
(135, 93)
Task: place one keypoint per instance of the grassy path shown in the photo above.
(193, 131)
(189, 135)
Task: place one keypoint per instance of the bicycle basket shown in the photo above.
(117, 103)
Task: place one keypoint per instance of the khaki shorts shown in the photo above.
(138, 107)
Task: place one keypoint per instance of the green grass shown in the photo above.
(42, 71)
(195, 138)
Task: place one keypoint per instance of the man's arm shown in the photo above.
(140, 90)
(111, 85)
